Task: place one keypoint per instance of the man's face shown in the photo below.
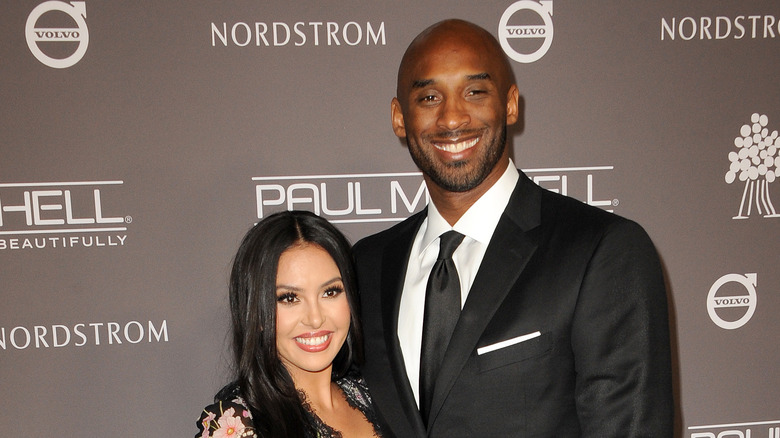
(452, 109)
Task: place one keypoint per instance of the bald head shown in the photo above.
(456, 96)
(453, 35)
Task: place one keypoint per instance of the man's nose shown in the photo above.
(453, 115)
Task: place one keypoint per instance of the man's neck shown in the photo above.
(453, 205)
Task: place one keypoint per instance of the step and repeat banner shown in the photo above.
(139, 140)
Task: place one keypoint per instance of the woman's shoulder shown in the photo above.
(355, 389)
(359, 397)
(228, 416)
(353, 383)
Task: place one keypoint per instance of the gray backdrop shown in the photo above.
(139, 140)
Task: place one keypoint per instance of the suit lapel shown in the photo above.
(395, 261)
(507, 254)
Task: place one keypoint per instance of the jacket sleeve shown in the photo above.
(620, 340)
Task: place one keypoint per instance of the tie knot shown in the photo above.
(449, 243)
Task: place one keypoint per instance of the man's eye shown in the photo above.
(428, 98)
(286, 298)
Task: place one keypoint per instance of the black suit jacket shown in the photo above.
(588, 281)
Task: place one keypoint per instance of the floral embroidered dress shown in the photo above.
(231, 418)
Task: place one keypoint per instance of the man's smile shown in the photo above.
(457, 147)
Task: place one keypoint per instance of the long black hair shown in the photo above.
(264, 382)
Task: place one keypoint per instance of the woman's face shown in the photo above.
(312, 312)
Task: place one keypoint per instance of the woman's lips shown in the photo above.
(314, 342)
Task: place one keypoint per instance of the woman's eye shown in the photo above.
(332, 292)
(287, 298)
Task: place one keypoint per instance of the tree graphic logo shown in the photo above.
(755, 162)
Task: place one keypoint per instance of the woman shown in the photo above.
(296, 337)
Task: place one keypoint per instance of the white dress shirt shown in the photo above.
(477, 224)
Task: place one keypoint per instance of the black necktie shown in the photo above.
(442, 309)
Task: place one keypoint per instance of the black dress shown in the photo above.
(229, 417)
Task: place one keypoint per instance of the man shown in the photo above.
(563, 326)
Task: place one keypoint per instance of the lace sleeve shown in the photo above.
(226, 419)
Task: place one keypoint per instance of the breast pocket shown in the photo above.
(517, 352)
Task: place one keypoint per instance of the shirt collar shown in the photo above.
(481, 219)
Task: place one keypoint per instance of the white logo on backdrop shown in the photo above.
(60, 215)
(720, 27)
(540, 28)
(355, 198)
(737, 430)
(749, 301)
(755, 162)
(81, 334)
(80, 34)
(392, 197)
(280, 34)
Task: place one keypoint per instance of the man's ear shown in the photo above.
(512, 99)
(397, 118)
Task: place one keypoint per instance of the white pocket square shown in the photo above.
(507, 343)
